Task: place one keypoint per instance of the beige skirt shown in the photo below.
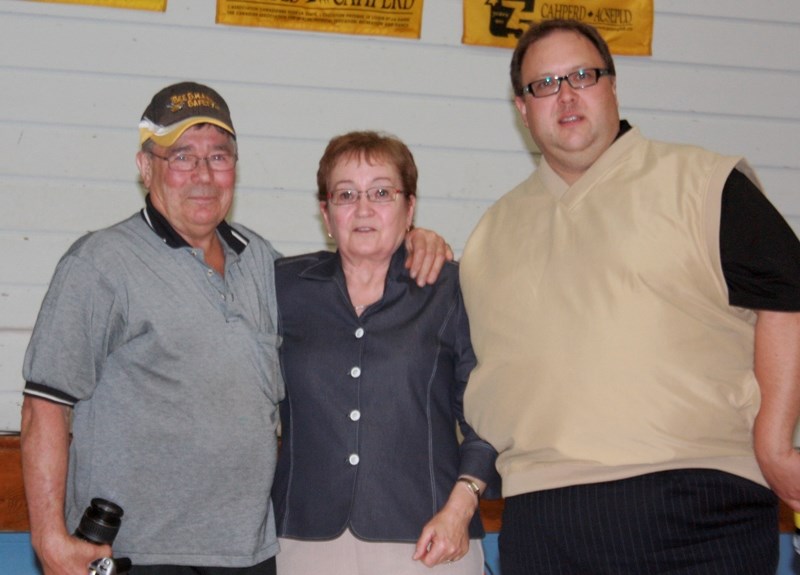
(347, 555)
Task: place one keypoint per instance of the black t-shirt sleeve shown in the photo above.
(760, 253)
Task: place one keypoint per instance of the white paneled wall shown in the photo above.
(74, 81)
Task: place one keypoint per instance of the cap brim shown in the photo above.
(168, 135)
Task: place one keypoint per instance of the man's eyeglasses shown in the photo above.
(180, 162)
(578, 80)
(377, 195)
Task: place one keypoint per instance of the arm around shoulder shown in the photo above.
(427, 254)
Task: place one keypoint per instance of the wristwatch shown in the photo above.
(472, 486)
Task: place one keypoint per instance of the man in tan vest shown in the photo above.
(633, 306)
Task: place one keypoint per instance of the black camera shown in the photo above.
(100, 525)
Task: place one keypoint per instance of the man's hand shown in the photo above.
(427, 253)
(781, 472)
(66, 555)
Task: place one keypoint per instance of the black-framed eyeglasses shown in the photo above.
(578, 80)
(180, 162)
(376, 195)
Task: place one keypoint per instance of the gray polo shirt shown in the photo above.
(173, 374)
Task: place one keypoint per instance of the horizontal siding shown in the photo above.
(75, 80)
(12, 350)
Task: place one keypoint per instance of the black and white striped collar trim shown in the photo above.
(159, 224)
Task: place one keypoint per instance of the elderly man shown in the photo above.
(157, 339)
(633, 307)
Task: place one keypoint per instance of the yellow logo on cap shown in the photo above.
(192, 100)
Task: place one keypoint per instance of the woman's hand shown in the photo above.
(445, 538)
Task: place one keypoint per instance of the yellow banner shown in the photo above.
(627, 25)
(155, 5)
(374, 17)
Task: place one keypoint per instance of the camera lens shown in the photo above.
(100, 522)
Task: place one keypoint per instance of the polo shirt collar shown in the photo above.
(159, 224)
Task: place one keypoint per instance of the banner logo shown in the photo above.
(627, 25)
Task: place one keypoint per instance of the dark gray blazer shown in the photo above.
(372, 403)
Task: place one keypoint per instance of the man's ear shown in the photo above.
(145, 164)
(519, 102)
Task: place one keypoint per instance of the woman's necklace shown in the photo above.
(360, 308)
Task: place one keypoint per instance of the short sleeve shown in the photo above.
(760, 253)
(72, 335)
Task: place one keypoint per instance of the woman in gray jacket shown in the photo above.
(372, 477)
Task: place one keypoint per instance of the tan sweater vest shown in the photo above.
(599, 314)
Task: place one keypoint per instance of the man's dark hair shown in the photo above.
(538, 31)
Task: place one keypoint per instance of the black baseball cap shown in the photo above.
(180, 106)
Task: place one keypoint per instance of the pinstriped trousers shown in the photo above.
(684, 522)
